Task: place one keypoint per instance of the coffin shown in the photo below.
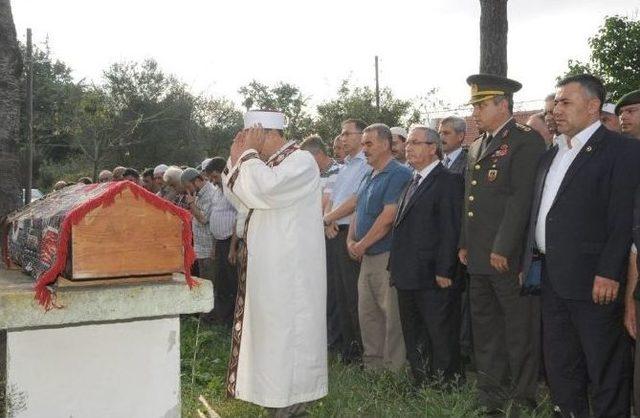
(99, 231)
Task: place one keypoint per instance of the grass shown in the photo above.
(352, 392)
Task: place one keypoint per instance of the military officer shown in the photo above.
(498, 190)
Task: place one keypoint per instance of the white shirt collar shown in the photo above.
(579, 139)
(453, 155)
(426, 171)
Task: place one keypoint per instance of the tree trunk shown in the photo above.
(10, 72)
(493, 37)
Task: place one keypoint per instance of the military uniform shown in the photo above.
(498, 193)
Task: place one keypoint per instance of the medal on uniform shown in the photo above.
(492, 175)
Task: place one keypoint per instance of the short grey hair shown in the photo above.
(458, 124)
(382, 131)
(172, 175)
(431, 135)
(314, 144)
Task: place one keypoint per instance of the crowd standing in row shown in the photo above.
(509, 253)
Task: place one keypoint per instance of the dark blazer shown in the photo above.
(588, 228)
(459, 165)
(425, 234)
(498, 187)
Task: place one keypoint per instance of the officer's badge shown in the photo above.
(589, 148)
(492, 175)
(502, 151)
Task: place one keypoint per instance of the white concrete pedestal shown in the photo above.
(110, 352)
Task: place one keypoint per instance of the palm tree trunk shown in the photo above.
(493, 37)
(10, 72)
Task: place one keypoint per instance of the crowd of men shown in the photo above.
(513, 255)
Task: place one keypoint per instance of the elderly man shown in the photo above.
(399, 135)
(336, 219)
(118, 173)
(328, 173)
(537, 123)
(628, 109)
(200, 195)
(221, 223)
(369, 241)
(549, 104)
(423, 260)
(498, 190)
(158, 174)
(580, 230)
(176, 193)
(105, 176)
(279, 353)
(609, 118)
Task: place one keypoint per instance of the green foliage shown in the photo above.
(360, 103)
(352, 392)
(615, 56)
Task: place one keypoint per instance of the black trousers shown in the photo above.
(585, 351)
(507, 355)
(466, 335)
(333, 316)
(225, 283)
(346, 288)
(431, 327)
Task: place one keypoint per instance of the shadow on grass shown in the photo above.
(352, 392)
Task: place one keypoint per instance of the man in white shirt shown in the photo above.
(580, 228)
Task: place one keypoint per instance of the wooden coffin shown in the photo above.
(98, 231)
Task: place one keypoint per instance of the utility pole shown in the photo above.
(27, 191)
(377, 87)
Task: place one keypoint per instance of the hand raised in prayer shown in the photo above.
(499, 262)
(462, 255)
(604, 290)
(254, 138)
(237, 147)
(630, 318)
(443, 282)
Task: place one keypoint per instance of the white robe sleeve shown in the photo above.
(258, 186)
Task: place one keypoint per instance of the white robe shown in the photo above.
(283, 350)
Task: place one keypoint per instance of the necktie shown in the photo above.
(447, 161)
(411, 190)
(487, 142)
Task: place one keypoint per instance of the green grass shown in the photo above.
(352, 392)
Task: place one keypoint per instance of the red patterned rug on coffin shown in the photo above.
(38, 237)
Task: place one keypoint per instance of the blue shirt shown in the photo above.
(349, 178)
(374, 193)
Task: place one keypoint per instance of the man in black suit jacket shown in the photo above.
(580, 227)
(424, 257)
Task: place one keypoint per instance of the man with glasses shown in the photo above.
(338, 214)
(498, 192)
(423, 260)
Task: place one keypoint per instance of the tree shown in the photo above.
(360, 103)
(285, 98)
(615, 56)
(222, 120)
(10, 71)
(493, 37)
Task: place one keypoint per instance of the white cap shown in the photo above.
(609, 108)
(204, 163)
(268, 119)
(160, 169)
(397, 130)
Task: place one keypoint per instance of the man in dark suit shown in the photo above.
(580, 228)
(424, 257)
(498, 190)
(453, 130)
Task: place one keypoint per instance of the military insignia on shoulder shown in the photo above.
(522, 127)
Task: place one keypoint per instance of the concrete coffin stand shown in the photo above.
(109, 351)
